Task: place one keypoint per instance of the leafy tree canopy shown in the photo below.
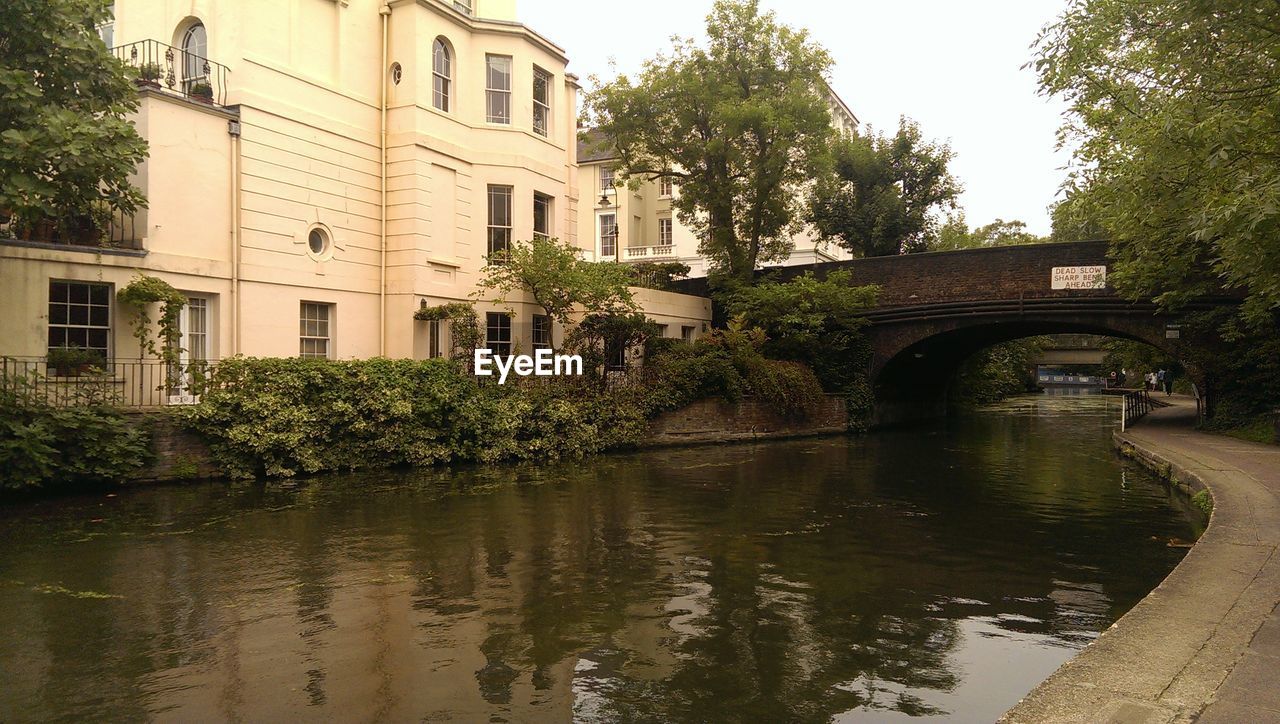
(814, 321)
(66, 144)
(886, 192)
(1173, 108)
(956, 234)
(805, 309)
(740, 123)
(552, 272)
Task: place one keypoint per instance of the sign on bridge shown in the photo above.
(1079, 277)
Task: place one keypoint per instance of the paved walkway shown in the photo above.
(1210, 633)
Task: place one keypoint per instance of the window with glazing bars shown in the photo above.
(606, 179)
(608, 235)
(314, 330)
(441, 75)
(499, 222)
(497, 88)
(541, 332)
(664, 231)
(541, 216)
(80, 316)
(665, 186)
(541, 101)
(497, 337)
(196, 334)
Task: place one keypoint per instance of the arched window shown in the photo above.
(195, 55)
(441, 75)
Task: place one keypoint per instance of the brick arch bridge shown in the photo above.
(936, 309)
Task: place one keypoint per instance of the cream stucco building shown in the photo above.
(318, 170)
(635, 222)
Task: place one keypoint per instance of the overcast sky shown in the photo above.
(955, 67)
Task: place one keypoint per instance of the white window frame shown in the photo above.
(542, 108)
(666, 187)
(107, 30)
(89, 305)
(434, 346)
(441, 80)
(195, 342)
(308, 313)
(666, 231)
(499, 218)
(534, 332)
(195, 57)
(547, 201)
(602, 236)
(493, 94)
(498, 346)
(607, 177)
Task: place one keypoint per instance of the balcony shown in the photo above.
(100, 228)
(174, 71)
(648, 253)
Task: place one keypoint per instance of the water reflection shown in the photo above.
(928, 572)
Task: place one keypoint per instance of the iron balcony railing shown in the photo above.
(176, 71)
(111, 382)
(113, 230)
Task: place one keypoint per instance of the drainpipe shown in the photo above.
(233, 128)
(385, 12)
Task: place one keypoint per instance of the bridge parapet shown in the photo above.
(1003, 272)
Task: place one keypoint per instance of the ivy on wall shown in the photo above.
(139, 295)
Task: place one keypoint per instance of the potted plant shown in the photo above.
(149, 74)
(202, 92)
(72, 361)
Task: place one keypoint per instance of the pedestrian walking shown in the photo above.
(1160, 375)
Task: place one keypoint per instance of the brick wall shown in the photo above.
(719, 421)
(1006, 272)
(179, 454)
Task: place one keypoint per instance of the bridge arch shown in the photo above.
(914, 362)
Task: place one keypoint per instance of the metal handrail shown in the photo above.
(176, 71)
(1137, 403)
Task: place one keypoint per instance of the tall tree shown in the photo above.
(886, 192)
(1173, 108)
(67, 145)
(740, 124)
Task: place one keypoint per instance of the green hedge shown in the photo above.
(285, 417)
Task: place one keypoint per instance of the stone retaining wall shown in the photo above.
(714, 420)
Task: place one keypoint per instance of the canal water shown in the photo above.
(936, 572)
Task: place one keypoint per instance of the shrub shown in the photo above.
(284, 417)
(46, 447)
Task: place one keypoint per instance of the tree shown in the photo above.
(955, 234)
(67, 149)
(551, 271)
(886, 192)
(817, 322)
(1173, 107)
(740, 124)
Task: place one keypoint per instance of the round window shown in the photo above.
(396, 73)
(318, 242)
